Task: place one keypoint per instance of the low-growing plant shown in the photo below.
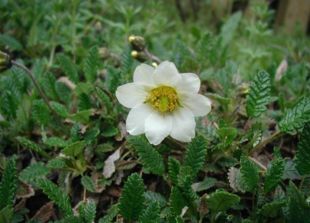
(230, 144)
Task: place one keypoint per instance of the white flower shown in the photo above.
(163, 102)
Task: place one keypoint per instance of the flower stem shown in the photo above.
(151, 56)
(42, 94)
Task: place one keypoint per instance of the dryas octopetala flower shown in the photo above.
(163, 102)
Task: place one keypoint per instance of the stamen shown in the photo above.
(163, 99)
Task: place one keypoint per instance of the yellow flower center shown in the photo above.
(163, 99)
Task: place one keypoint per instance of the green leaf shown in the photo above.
(6, 214)
(249, 174)
(149, 156)
(295, 118)
(132, 199)
(110, 215)
(229, 28)
(55, 142)
(302, 158)
(195, 154)
(40, 112)
(222, 200)
(176, 201)
(274, 174)
(151, 214)
(33, 172)
(29, 144)
(259, 95)
(74, 149)
(8, 184)
(272, 209)
(60, 109)
(206, 184)
(48, 84)
(57, 163)
(297, 209)
(9, 41)
(173, 170)
(151, 197)
(68, 67)
(88, 183)
(88, 211)
(55, 194)
(82, 116)
(84, 102)
(105, 100)
(91, 64)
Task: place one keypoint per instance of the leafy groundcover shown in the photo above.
(65, 155)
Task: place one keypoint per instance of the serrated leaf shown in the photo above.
(222, 200)
(249, 174)
(297, 210)
(55, 142)
(84, 102)
(33, 171)
(176, 201)
(29, 144)
(295, 118)
(132, 199)
(173, 170)
(274, 174)
(68, 67)
(195, 154)
(91, 64)
(149, 156)
(259, 95)
(74, 149)
(6, 214)
(88, 211)
(88, 183)
(105, 100)
(151, 196)
(55, 194)
(206, 184)
(40, 112)
(56, 163)
(302, 158)
(60, 109)
(234, 178)
(8, 184)
(272, 209)
(151, 214)
(110, 215)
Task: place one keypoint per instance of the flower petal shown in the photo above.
(144, 74)
(197, 103)
(157, 127)
(166, 73)
(136, 119)
(183, 125)
(190, 82)
(131, 95)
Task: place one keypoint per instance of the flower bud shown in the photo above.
(140, 56)
(5, 61)
(154, 64)
(137, 42)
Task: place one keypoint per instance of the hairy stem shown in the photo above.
(42, 94)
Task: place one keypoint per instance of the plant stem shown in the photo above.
(151, 56)
(42, 94)
(262, 144)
